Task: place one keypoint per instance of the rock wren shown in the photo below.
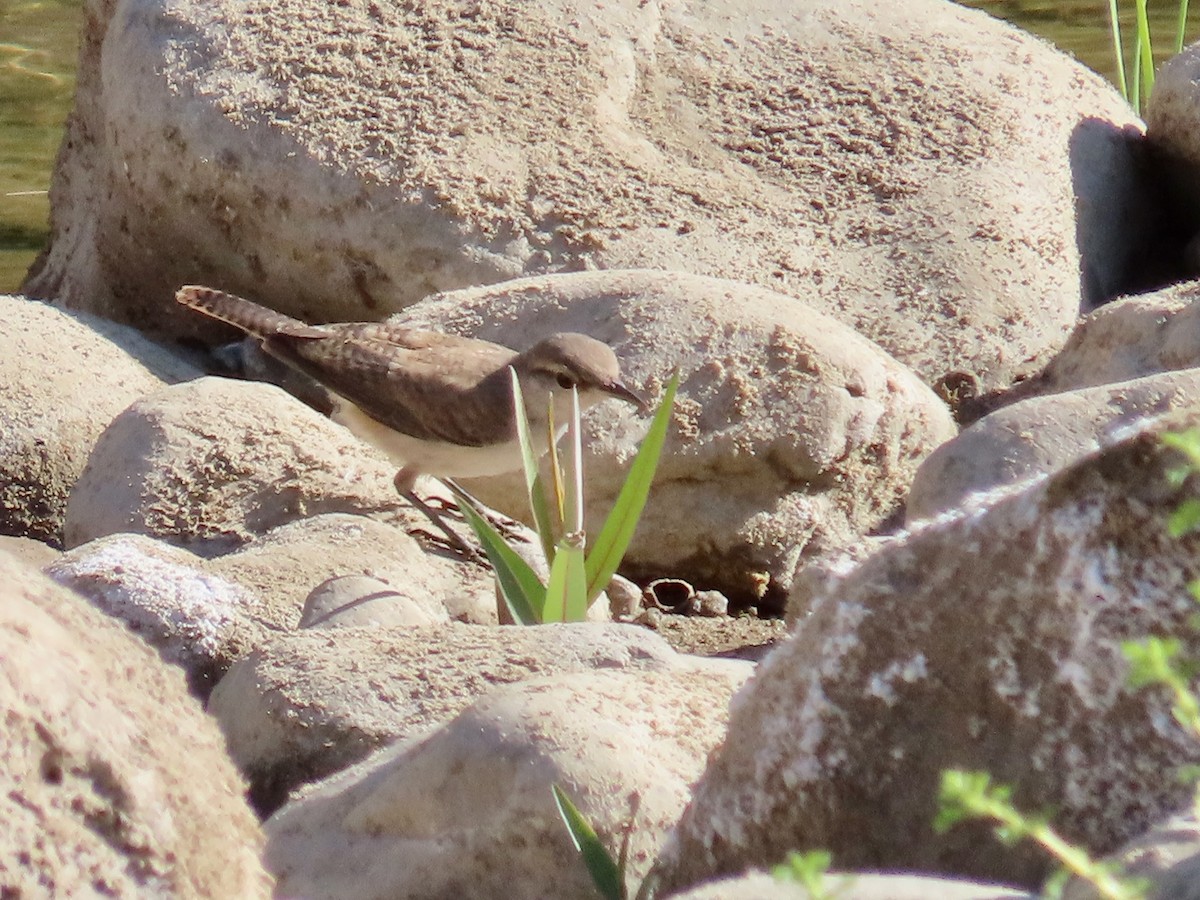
(436, 404)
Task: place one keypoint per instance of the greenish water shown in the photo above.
(37, 78)
(1081, 27)
(37, 62)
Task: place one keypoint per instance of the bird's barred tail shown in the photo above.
(237, 311)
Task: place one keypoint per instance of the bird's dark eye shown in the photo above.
(565, 381)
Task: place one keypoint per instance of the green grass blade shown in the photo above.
(1114, 25)
(1135, 90)
(1186, 442)
(555, 609)
(1145, 51)
(1181, 26)
(573, 520)
(576, 604)
(613, 539)
(606, 876)
(533, 479)
(566, 591)
(522, 590)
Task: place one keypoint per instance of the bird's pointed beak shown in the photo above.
(621, 392)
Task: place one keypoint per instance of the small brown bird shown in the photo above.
(436, 404)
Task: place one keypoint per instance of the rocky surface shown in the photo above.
(213, 463)
(1035, 437)
(1171, 132)
(1166, 858)
(988, 640)
(851, 886)
(440, 148)
(840, 223)
(287, 564)
(311, 703)
(205, 614)
(195, 619)
(468, 808)
(1127, 339)
(63, 378)
(791, 434)
(113, 782)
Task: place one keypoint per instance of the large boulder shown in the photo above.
(196, 620)
(792, 435)
(113, 782)
(1166, 858)
(1127, 339)
(851, 886)
(214, 463)
(991, 641)
(309, 704)
(1041, 435)
(925, 173)
(205, 614)
(1172, 116)
(467, 809)
(63, 377)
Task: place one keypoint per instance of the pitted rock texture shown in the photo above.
(63, 377)
(467, 809)
(1036, 437)
(1127, 339)
(985, 641)
(923, 172)
(311, 703)
(213, 463)
(113, 782)
(791, 434)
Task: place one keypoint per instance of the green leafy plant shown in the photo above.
(1158, 660)
(810, 870)
(608, 874)
(971, 795)
(1137, 85)
(1152, 661)
(1186, 517)
(577, 575)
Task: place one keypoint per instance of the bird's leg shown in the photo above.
(405, 482)
(406, 479)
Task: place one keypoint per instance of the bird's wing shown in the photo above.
(406, 378)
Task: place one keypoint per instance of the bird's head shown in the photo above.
(569, 360)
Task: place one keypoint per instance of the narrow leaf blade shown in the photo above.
(575, 596)
(613, 539)
(566, 591)
(573, 520)
(555, 609)
(606, 876)
(533, 479)
(556, 474)
(523, 591)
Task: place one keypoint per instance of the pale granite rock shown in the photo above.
(113, 782)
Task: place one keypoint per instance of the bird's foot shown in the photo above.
(448, 541)
(448, 537)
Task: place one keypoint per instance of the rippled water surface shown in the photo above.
(37, 63)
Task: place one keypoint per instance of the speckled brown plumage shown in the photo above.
(431, 387)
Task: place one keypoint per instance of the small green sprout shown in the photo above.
(971, 795)
(810, 870)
